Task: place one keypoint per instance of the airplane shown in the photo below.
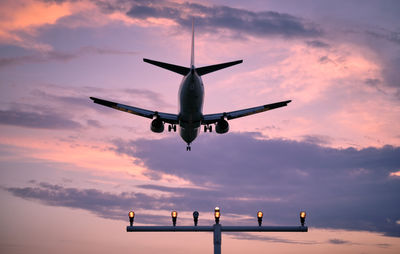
(191, 99)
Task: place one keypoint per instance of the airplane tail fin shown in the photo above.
(184, 70)
(192, 52)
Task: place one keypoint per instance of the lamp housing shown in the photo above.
(174, 215)
(195, 217)
(259, 217)
(303, 215)
(217, 214)
(131, 217)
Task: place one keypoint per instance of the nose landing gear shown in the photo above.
(188, 147)
(208, 127)
(172, 127)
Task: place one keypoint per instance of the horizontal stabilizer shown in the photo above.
(211, 68)
(171, 67)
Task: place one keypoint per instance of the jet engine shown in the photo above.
(157, 125)
(222, 126)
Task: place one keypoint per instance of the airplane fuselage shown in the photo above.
(191, 98)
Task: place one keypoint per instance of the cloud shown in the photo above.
(104, 204)
(317, 139)
(37, 120)
(385, 35)
(211, 18)
(208, 17)
(338, 241)
(341, 188)
(94, 123)
(78, 98)
(317, 44)
(248, 236)
(242, 173)
(59, 56)
(21, 18)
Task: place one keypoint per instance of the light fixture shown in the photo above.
(217, 214)
(302, 217)
(131, 217)
(259, 217)
(195, 217)
(174, 215)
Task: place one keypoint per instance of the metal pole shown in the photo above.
(217, 238)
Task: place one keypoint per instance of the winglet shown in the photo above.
(192, 53)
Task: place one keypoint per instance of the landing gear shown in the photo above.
(188, 147)
(172, 127)
(208, 127)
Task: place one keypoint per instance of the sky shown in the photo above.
(71, 170)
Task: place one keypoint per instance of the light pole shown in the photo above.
(217, 228)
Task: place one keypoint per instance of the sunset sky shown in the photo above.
(70, 170)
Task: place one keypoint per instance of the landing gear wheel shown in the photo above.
(188, 148)
(169, 128)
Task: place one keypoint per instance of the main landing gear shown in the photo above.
(188, 147)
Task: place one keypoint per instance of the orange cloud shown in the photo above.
(395, 174)
(331, 97)
(26, 16)
(89, 154)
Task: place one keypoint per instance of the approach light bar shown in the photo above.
(217, 216)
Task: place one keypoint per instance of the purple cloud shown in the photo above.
(340, 188)
(37, 120)
(59, 56)
(264, 23)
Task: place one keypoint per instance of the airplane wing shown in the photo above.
(212, 118)
(165, 117)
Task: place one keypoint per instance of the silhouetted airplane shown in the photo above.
(191, 98)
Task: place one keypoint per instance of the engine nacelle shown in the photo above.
(222, 127)
(157, 126)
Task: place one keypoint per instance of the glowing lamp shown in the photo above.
(302, 217)
(259, 217)
(131, 217)
(174, 215)
(217, 214)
